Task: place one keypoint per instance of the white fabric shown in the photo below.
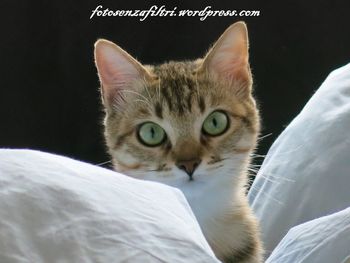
(306, 173)
(55, 209)
(326, 239)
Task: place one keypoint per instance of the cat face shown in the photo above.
(180, 123)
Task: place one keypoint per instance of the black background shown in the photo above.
(49, 98)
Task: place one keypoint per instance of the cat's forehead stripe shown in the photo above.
(158, 110)
(177, 85)
(201, 104)
(167, 97)
(189, 103)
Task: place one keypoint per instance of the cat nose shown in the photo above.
(189, 166)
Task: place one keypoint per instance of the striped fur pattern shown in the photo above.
(179, 96)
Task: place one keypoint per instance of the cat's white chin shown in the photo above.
(210, 192)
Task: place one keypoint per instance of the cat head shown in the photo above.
(180, 123)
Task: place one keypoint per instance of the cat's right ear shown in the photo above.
(117, 71)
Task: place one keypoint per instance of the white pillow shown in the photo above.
(55, 209)
(326, 239)
(306, 173)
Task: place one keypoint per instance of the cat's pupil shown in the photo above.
(215, 122)
(152, 132)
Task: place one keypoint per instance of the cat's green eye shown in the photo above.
(151, 134)
(215, 124)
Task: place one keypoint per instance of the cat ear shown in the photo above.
(228, 58)
(117, 71)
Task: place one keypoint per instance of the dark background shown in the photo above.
(49, 97)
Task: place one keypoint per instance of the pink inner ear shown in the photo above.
(229, 58)
(116, 69)
(231, 68)
(113, 84)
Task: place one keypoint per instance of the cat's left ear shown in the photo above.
(228, 59)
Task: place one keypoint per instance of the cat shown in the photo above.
(191, 125)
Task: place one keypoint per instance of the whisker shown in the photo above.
(255, 168)
(291, 150)
(277, 164)
(106, 162)
(271, 180)
(155, 170)
(267, 195)
(264, 136)
(215, 167)
(252, 172)
(263, 174)
(255, 165)
(254, 155)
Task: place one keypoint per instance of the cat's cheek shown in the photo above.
(124, 161)
(242, 145)
(246, 143)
